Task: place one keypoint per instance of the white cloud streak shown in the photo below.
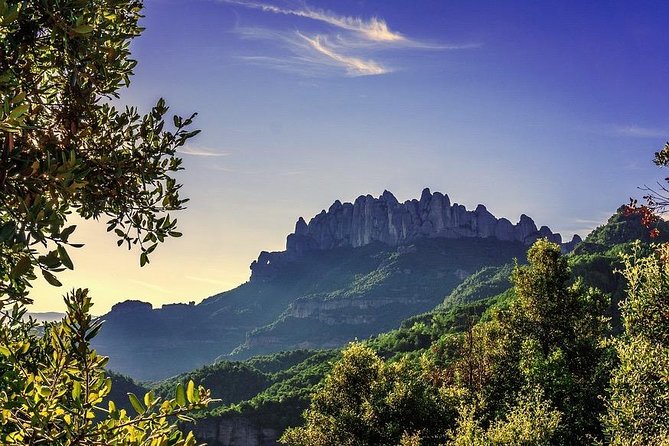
(312, 56)
(349, 48)
(374, 29)
(354, 66)
(201, 151)
(642, 132)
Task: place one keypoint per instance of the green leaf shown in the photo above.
(93, 331)
(65, 233)
(149, 398)
(83, 29)
(51, 278)
(76, 390)
(190, 391)
(181, 395)
(19, 111)
(64, 257)
(4, 351)
(21, 267)
(136, 404)
(19, 98)
(143, 259)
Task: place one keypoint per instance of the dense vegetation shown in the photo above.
(541, 357)
(493, 354)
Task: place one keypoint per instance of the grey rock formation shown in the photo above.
(570, 245)
(386, 220)
(132, 306)
(234, 431)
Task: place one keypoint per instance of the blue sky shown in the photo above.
(549, 108)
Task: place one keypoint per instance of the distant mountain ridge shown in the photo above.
(48, 316)
(354, 271)
(386, 220)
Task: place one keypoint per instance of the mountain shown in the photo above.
(261, 419)
(353, 271)
(49, 316)
(385, 220)
(265, 394)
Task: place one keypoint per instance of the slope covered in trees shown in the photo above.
(472, 319)
(321, 300)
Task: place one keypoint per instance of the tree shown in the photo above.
(658, 197)
(530, 422)
(53, 386)
(638, 405)
(550, 340)
(65, 149)
(364, 401)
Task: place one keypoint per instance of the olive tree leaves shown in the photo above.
(65, 149)
(55, 389)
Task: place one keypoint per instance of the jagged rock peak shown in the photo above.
(132, 306)
(301, 227)
(389, 198)
(385, 219)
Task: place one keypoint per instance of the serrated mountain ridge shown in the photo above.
(386, 220)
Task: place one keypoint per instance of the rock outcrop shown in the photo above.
(570, 245)
(235, 431)
(388, 221)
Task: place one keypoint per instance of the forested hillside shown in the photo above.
(266, 394)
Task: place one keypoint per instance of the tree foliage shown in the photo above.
(65, 148)
(365, 401)
(530, 422)
(555, 330)
(532, 374)
(658, 197)
(53, 386)
(638, 406)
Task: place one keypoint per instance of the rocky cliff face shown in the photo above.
(386, 220)
(234, 431)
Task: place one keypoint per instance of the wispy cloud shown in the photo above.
(206, 280)
(311, 56)
(354, 66)
(374, 29)
(149, 285)
(642, 132)
(351, 45)
(202, 151)
(292, 173)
